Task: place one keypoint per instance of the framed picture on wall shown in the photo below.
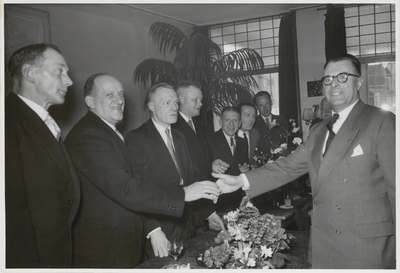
(314, 88)
(23, 26)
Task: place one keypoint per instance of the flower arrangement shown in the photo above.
(255, 240)
(283, 142)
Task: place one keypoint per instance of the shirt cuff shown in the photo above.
(148, 235)
(246, 184)
(211, 215)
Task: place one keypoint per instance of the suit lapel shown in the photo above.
(33, 123)
(340, 144)
(158, 144)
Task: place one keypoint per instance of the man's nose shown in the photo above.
(67, 80)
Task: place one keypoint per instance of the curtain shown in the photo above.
(335, 31)
(289, 97)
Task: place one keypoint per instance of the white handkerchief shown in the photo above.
(357, 151)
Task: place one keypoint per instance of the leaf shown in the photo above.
(153, 71)
(167, 36)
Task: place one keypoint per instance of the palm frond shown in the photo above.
(153, 71)
(247, 81)
(224, 94)
(167, 36)
(243, 59)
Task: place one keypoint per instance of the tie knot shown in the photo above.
(52, 125)
(332, 121)
(167, 133)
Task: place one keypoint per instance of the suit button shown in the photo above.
(337, 207)
(338, 231)
(68, 202)
(344, 180)
(67, 181)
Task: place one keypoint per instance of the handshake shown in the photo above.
(210, 190)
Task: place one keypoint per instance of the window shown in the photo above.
(381, 85)
(260, 34)
(370, 31)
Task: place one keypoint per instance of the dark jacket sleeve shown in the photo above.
(99, 161)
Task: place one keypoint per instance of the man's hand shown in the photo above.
(159, 243)
(244, 168)
(219, 166)
(228, 183)
(215, 222)
(203, 189)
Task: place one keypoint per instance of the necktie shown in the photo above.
(331, 132)
(247, 142)
(267, 122)
(233, 146)
(191, 125)
(51, 123)
(173, 154)
(119, 134)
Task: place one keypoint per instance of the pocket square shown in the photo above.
(357, 151)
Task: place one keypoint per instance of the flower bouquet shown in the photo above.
(283, 142)
(255, 240)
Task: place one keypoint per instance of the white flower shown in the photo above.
(277, 150)
(237, 254)
(295, 129)
(246, 251)
(293, 123)
(232, 216)
(297, 141)
(251, 262)
(284, 146)
(273, 123)
(267, 252)
(250, 205)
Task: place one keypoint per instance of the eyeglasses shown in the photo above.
(341, 77)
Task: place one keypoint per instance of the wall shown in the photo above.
(311, 54)
(102, 38)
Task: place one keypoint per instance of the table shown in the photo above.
(285, 216)
(297, 254)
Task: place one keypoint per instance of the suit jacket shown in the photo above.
(254, 139)
(266, 136)
(41, 191)
(220, 149)
(201, 157)
(109, 228)
(156, 166)
(353, 188)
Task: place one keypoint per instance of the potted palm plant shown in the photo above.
(224, 78)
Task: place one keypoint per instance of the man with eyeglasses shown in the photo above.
(353, 183)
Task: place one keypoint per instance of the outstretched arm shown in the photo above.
(229, 183)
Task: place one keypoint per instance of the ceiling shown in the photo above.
(208, 14)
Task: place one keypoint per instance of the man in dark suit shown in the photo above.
(226, 145)
(247, 118)
(265, 122)
(190, 97)
(109, 228)
(162, 157)
(41, 185)
(351, 161)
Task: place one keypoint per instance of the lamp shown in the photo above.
(308, 115)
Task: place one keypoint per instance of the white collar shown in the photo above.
(184, 116)
(39, 110)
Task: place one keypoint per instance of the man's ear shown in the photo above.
(150, 105)
(359, 83)
(28, 72)
(89, 101)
